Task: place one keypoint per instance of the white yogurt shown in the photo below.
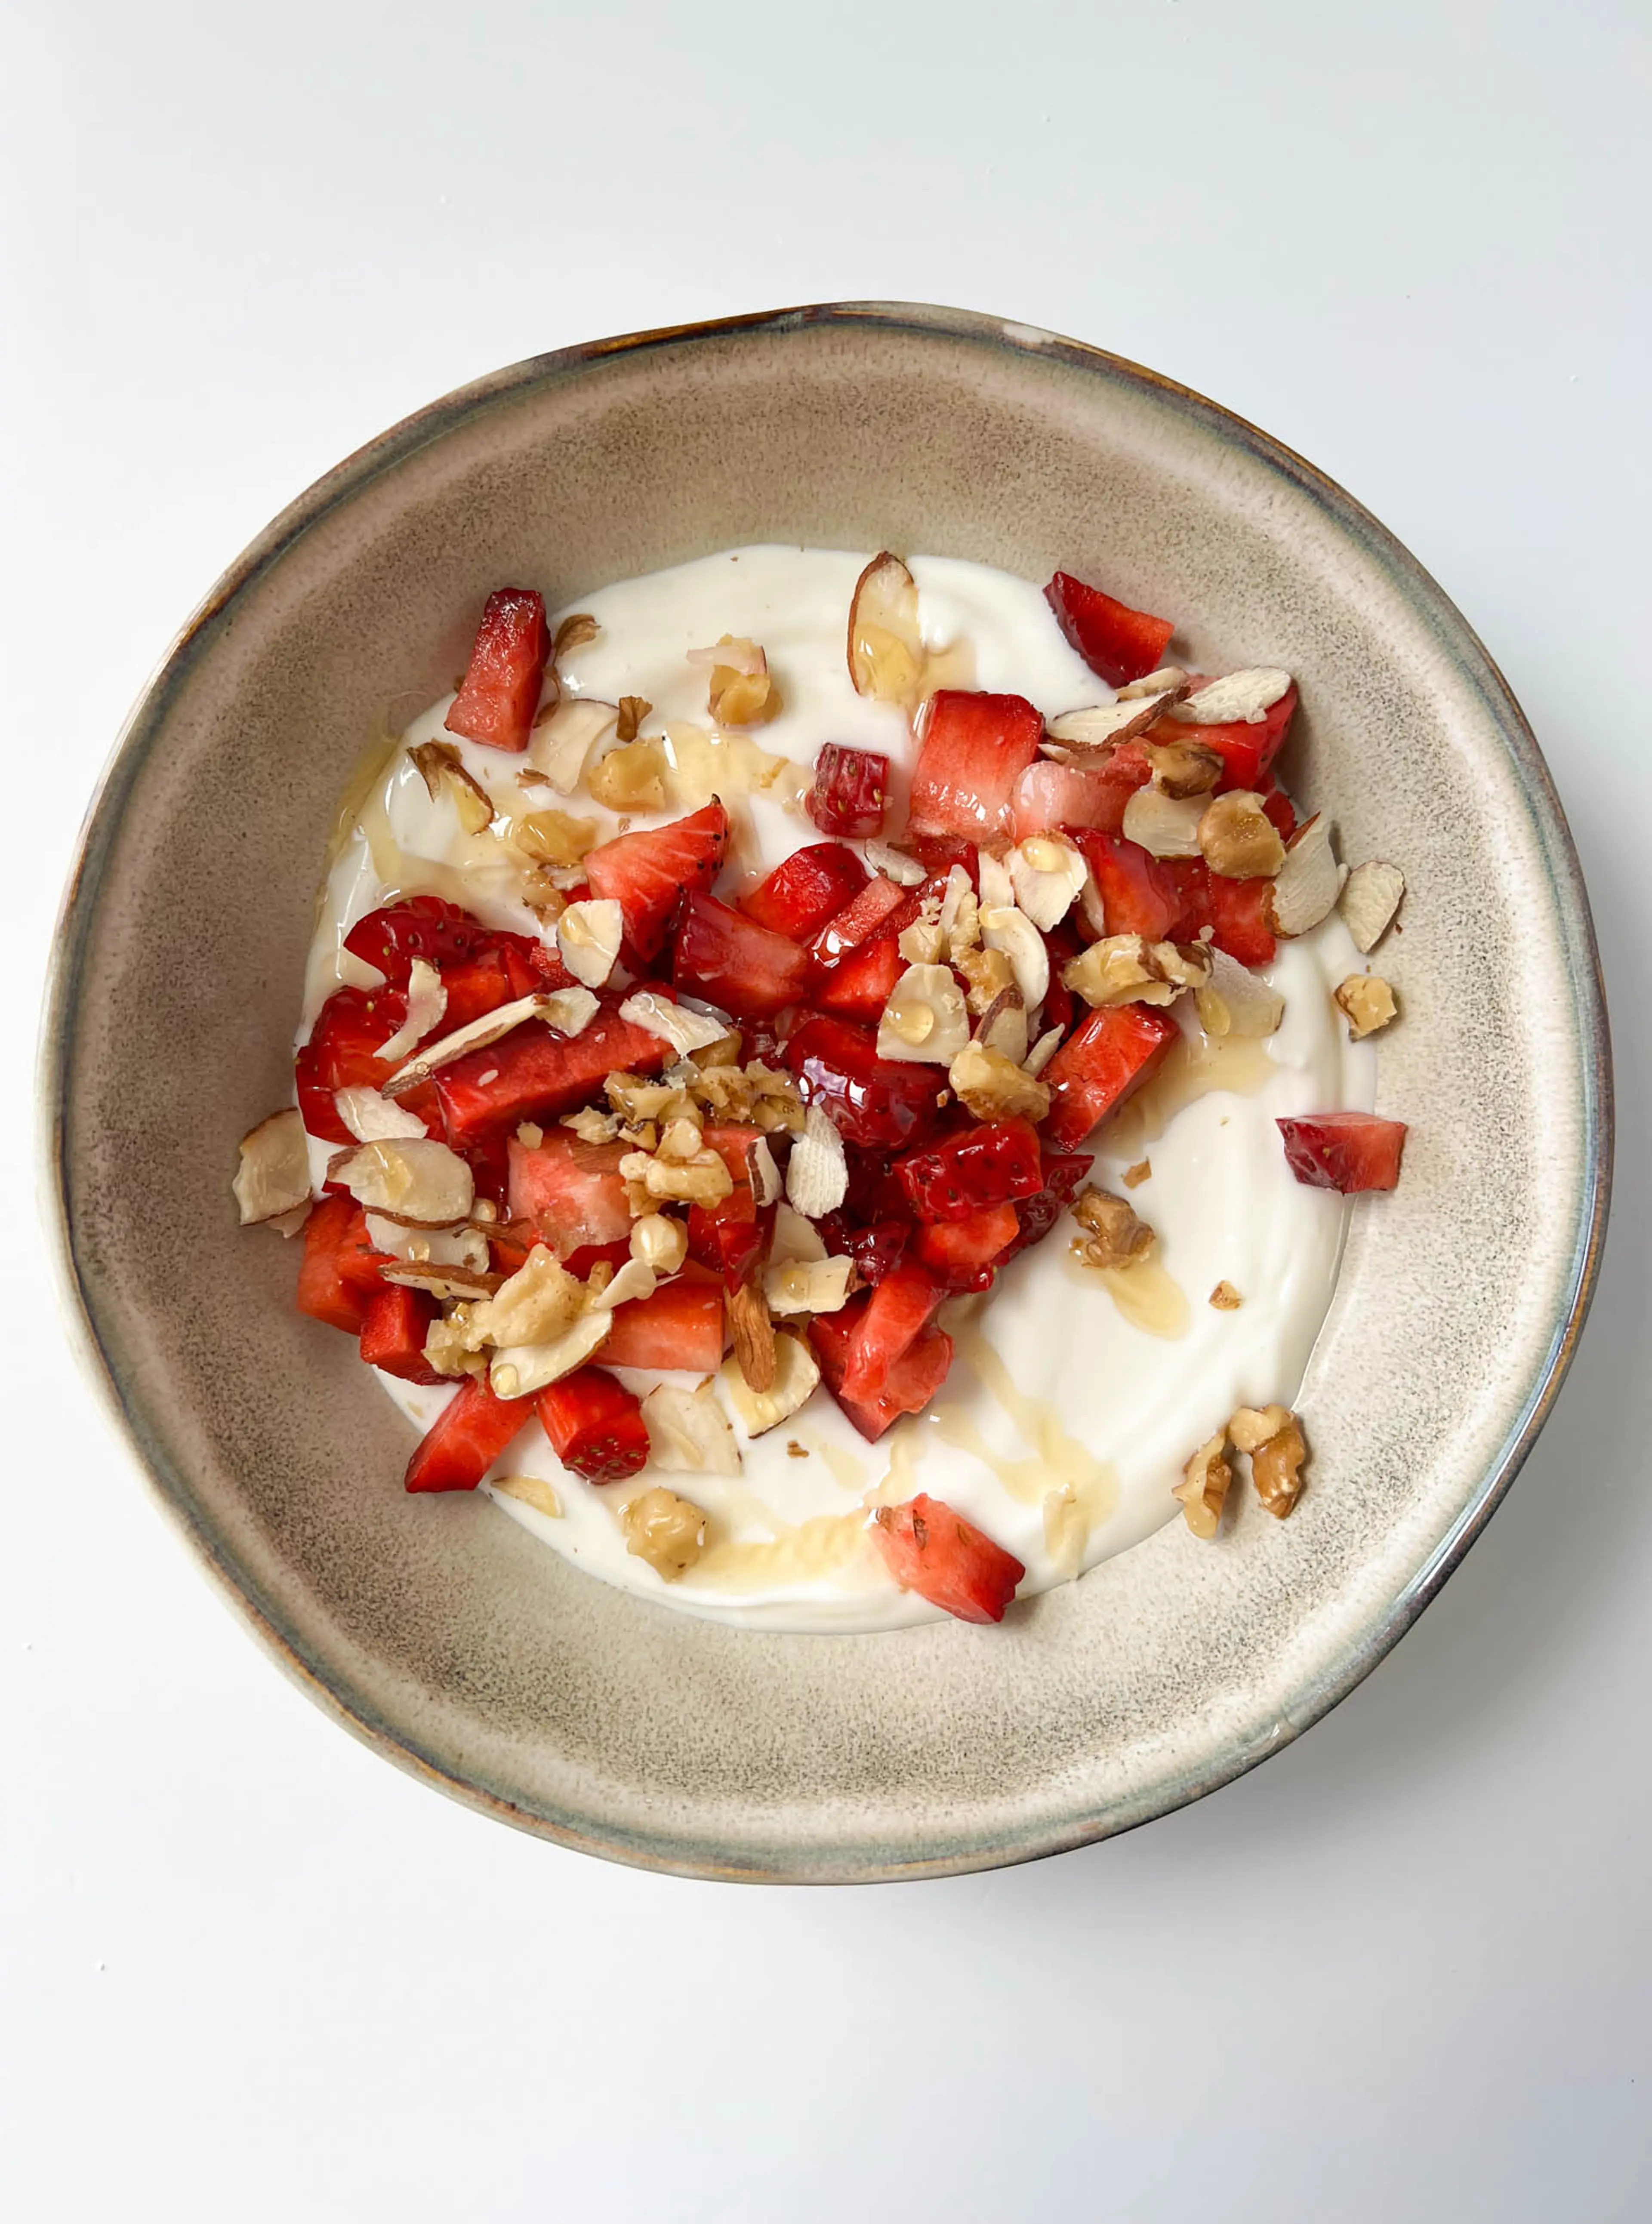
(1063, 1422)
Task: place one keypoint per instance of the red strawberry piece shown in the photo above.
(876, 1251)
(811, 886)
(327, 1291)
(874, 1193)
(1278, 806)
(1064, 1174)
(546, 961)
(480, 985)
(946, 1559)
(393, 1333)
(1108, 1055)
(1062, 946)
(533, 1074)
(572, 1192)
(1345, 1151)
(441, 933)
(880, 907)
(1246, 750)
(962, 1253)
(850, 791)
(731, 1237)
(975, 749)
(1238, 914)
(735, 964)
(860, 986)
(647, 874)
(1139, 894)
(978, 1167)
(595, 1425)
(897, 1313)
(466, 1437)
(911, 1382)
(880, 1104)
(350, 1028)
(939, 853)
(733, 1140)
(1118, 642)
(1049, 797)
(499, 697)
(680, 1325)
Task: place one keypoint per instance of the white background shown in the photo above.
(250, 1972)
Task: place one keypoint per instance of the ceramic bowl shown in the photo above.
(438, 1629)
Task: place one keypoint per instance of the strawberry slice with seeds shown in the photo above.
(499, 697)
(850, 791)
(1347, 1151)
(911, 1382)
(393, 1333)
(572, 1192)
(975, 749)
(1064, 1174)
(730, 1238)
(466, 1437)
(595, 1425)
(735, 964)
(647, 874)
(980, 1167)
(811, 886)
(1106, 1058)
(679, 1326)
(350, 1028)
(534, 1074)
(1054, 798)
(1237, 914)
(962, 1254)
(881, 1103)
(946, 1559)
(441, 933)
(1118, 642)
(880, 907)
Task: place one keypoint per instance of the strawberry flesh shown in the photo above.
(393, 1333)
(350, 1029)
(534, 1074)
(679, 1326)
(1118, 642)
(332, 1286)
(572, 1192)
(647, 874)
(897, 1313)
(733, 962)
(1139, 894)
(423, 926)
(880, 907)
(811, 886)
(1108, 1055)
(499, 697)
(975, 749)
(880, 1104)
(946, 1559)
(862, 983)
(595, 1425)
(910, 1383)
(466, 1437)
(981, 1167)
(1237, 914)
(1064, 1174)
(964, 1254)
(1347, 1151)
(1050, 798)
(1246, 750)
(850, 791)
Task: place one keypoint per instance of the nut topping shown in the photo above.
(1113, 1235)
(1238, 839)
(1244, 696)
(688, 1433)
(1273, 1438)
(1225, 1299)
(274, 1175)
(1203, 1486)
(1369, 901)
(1164, 825)
(994, 1088)
(1367, 1002)
(886, 657)
(752, 1334)
(1309, 883)
(588, 936)
(925, 1018)
(666, 1530)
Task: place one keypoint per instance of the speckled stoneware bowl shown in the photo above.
(438, 1629)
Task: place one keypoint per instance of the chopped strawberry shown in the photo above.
(595, 1425)
(1278, 806)
(811, 886)
(1118, 642)
(911, 1382)
(962, 1253)
(534, 1074)
(496, 976)
(648, 875)
(466, 1437)
(441, 933)
(509, 1243)
(880, 1104)
(850, 791)
(572, 1192)
(975, 749)
(1064, 1174)
(880, 907)
(733, 1140)
(546, 961)
(939, 853)
(876, 1249)
(1238, 913)
(330, 1285)
(979, 1167)
(680, 1325)
(897, 1313)
(500, 695)
(863, 982)
(1062, 946)
(350, 1028)
(946, 1559)
(393, 1333)
(1108, 1055)
(731, 1237)
(1345, 1151)
(1139, 894)
(1246, 750)
(1051, 796)
(735, 964)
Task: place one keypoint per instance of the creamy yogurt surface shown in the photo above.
(1075, 1398)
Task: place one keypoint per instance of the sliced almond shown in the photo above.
(1370, 899)
(766, 1183)
(795, 1376)
(490, 1028)
(569, 1012)
(925, 1020)
(885, 647)
(1002, 1027)
(1042, 1051)
(894, 864)
(819, 1286)
(685, 1030)
(1008, 931)
(421, 1181)
(961, 914)
(273, 1177)
(440, 765)
(442, 1282)
(1164, 825)
(1239, 697)
(588, 936)
(997, 890)
(688, 1431)
(1308, 884)
(1169, 679)
(924, 942)
(817, 1173)
(752, 1334)
(521, 1370)
(1204, 1487)
(994, 1087)
(372, 1118)
(795, 1237)
(426, 1001)
(1084, 734)
(1046, 874)
(464, 1246)
(561, 747)
(1367, 1002)
(1235, 1001)
(635, 1279)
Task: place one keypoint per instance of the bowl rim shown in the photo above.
(431, 423)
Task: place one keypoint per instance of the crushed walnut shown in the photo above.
(1203, 1486)
(1366, 1001)
(1272, 1436)
(666, 1530)
(1113, 1235)
(1134, 1176)
(1225, 1298)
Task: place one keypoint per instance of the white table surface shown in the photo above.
(249, 1971)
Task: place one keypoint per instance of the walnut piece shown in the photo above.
(1225, 1298)
(1113, 1235)
(1126, 968)
(994, 1087)
(1272, 1436)
(1203, 1486)
(1184, 768)
(1238, 838)
(630, 777)
(1135, 1176)
(666, 1530)
(1367, 1003)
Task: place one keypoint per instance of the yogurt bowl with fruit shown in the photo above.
(895, 1035)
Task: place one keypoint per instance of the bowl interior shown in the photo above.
(439, 1629)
